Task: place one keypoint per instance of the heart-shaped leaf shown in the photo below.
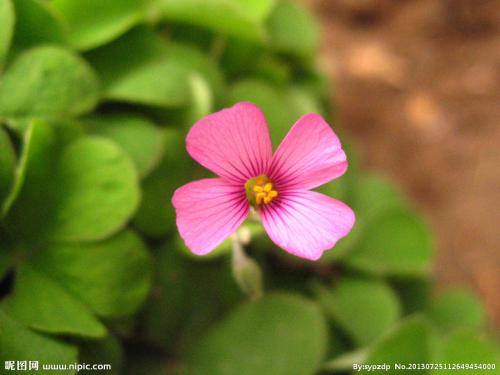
(86, 190)
(39, 16)
(363, 308)
(466, 350)
(242, 18)
(411, 341)
(48, 81)
(133, 77)
(277, 335)
(112, 277)
(375, 195)
(63, 315)
(96, 22)
(140, 138)
(457, 309)
(396, 243)
(17, 343)
(97, 191)
(292, 30)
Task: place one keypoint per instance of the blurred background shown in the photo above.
(96, 99)
(417, 87)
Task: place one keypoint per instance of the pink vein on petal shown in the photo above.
(233, 143)
(309, 156)
(208, 211)
(306, 223)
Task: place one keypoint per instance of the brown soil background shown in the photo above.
(417, 87)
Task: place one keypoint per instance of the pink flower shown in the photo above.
(234, 144)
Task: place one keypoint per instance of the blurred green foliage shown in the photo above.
(95, 100)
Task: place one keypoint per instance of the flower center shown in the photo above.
(260, 190)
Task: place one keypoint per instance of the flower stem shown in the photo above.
(246, 271)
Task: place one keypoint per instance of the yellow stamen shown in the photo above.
(258, 199)
(272, 194)
(263, 191)
(257, 189)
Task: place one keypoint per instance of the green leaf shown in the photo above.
(369, 196)
(198, 63)
(397, 243)
(282, 105)
(338, 188)
(363, 308)
(37, 23)
(134, 77)
(271, 68)
(96, 22)
(7, 164)
(411, 341)
(112, 277)
(270, 100)
(17, 343)
(213, 292)
(239, 58)
(85, 191)
(277, 335)
(48, 81)
(41, 303)
(458, 308)
(292, 30)
(303, 101)
(97, 191)
(140, 138)
(375, 195)
(156, 216)
(467, 348)
(7, 20)
(29, 192)
(241, 18)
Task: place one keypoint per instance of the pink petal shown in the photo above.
(208, 211)
(306, 223)
(309, 156)
(233, 143)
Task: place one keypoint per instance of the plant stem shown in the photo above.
(246, 271)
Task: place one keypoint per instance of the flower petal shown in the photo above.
(309, 156)
(306, 223)
(208, 211)
(233, 143)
